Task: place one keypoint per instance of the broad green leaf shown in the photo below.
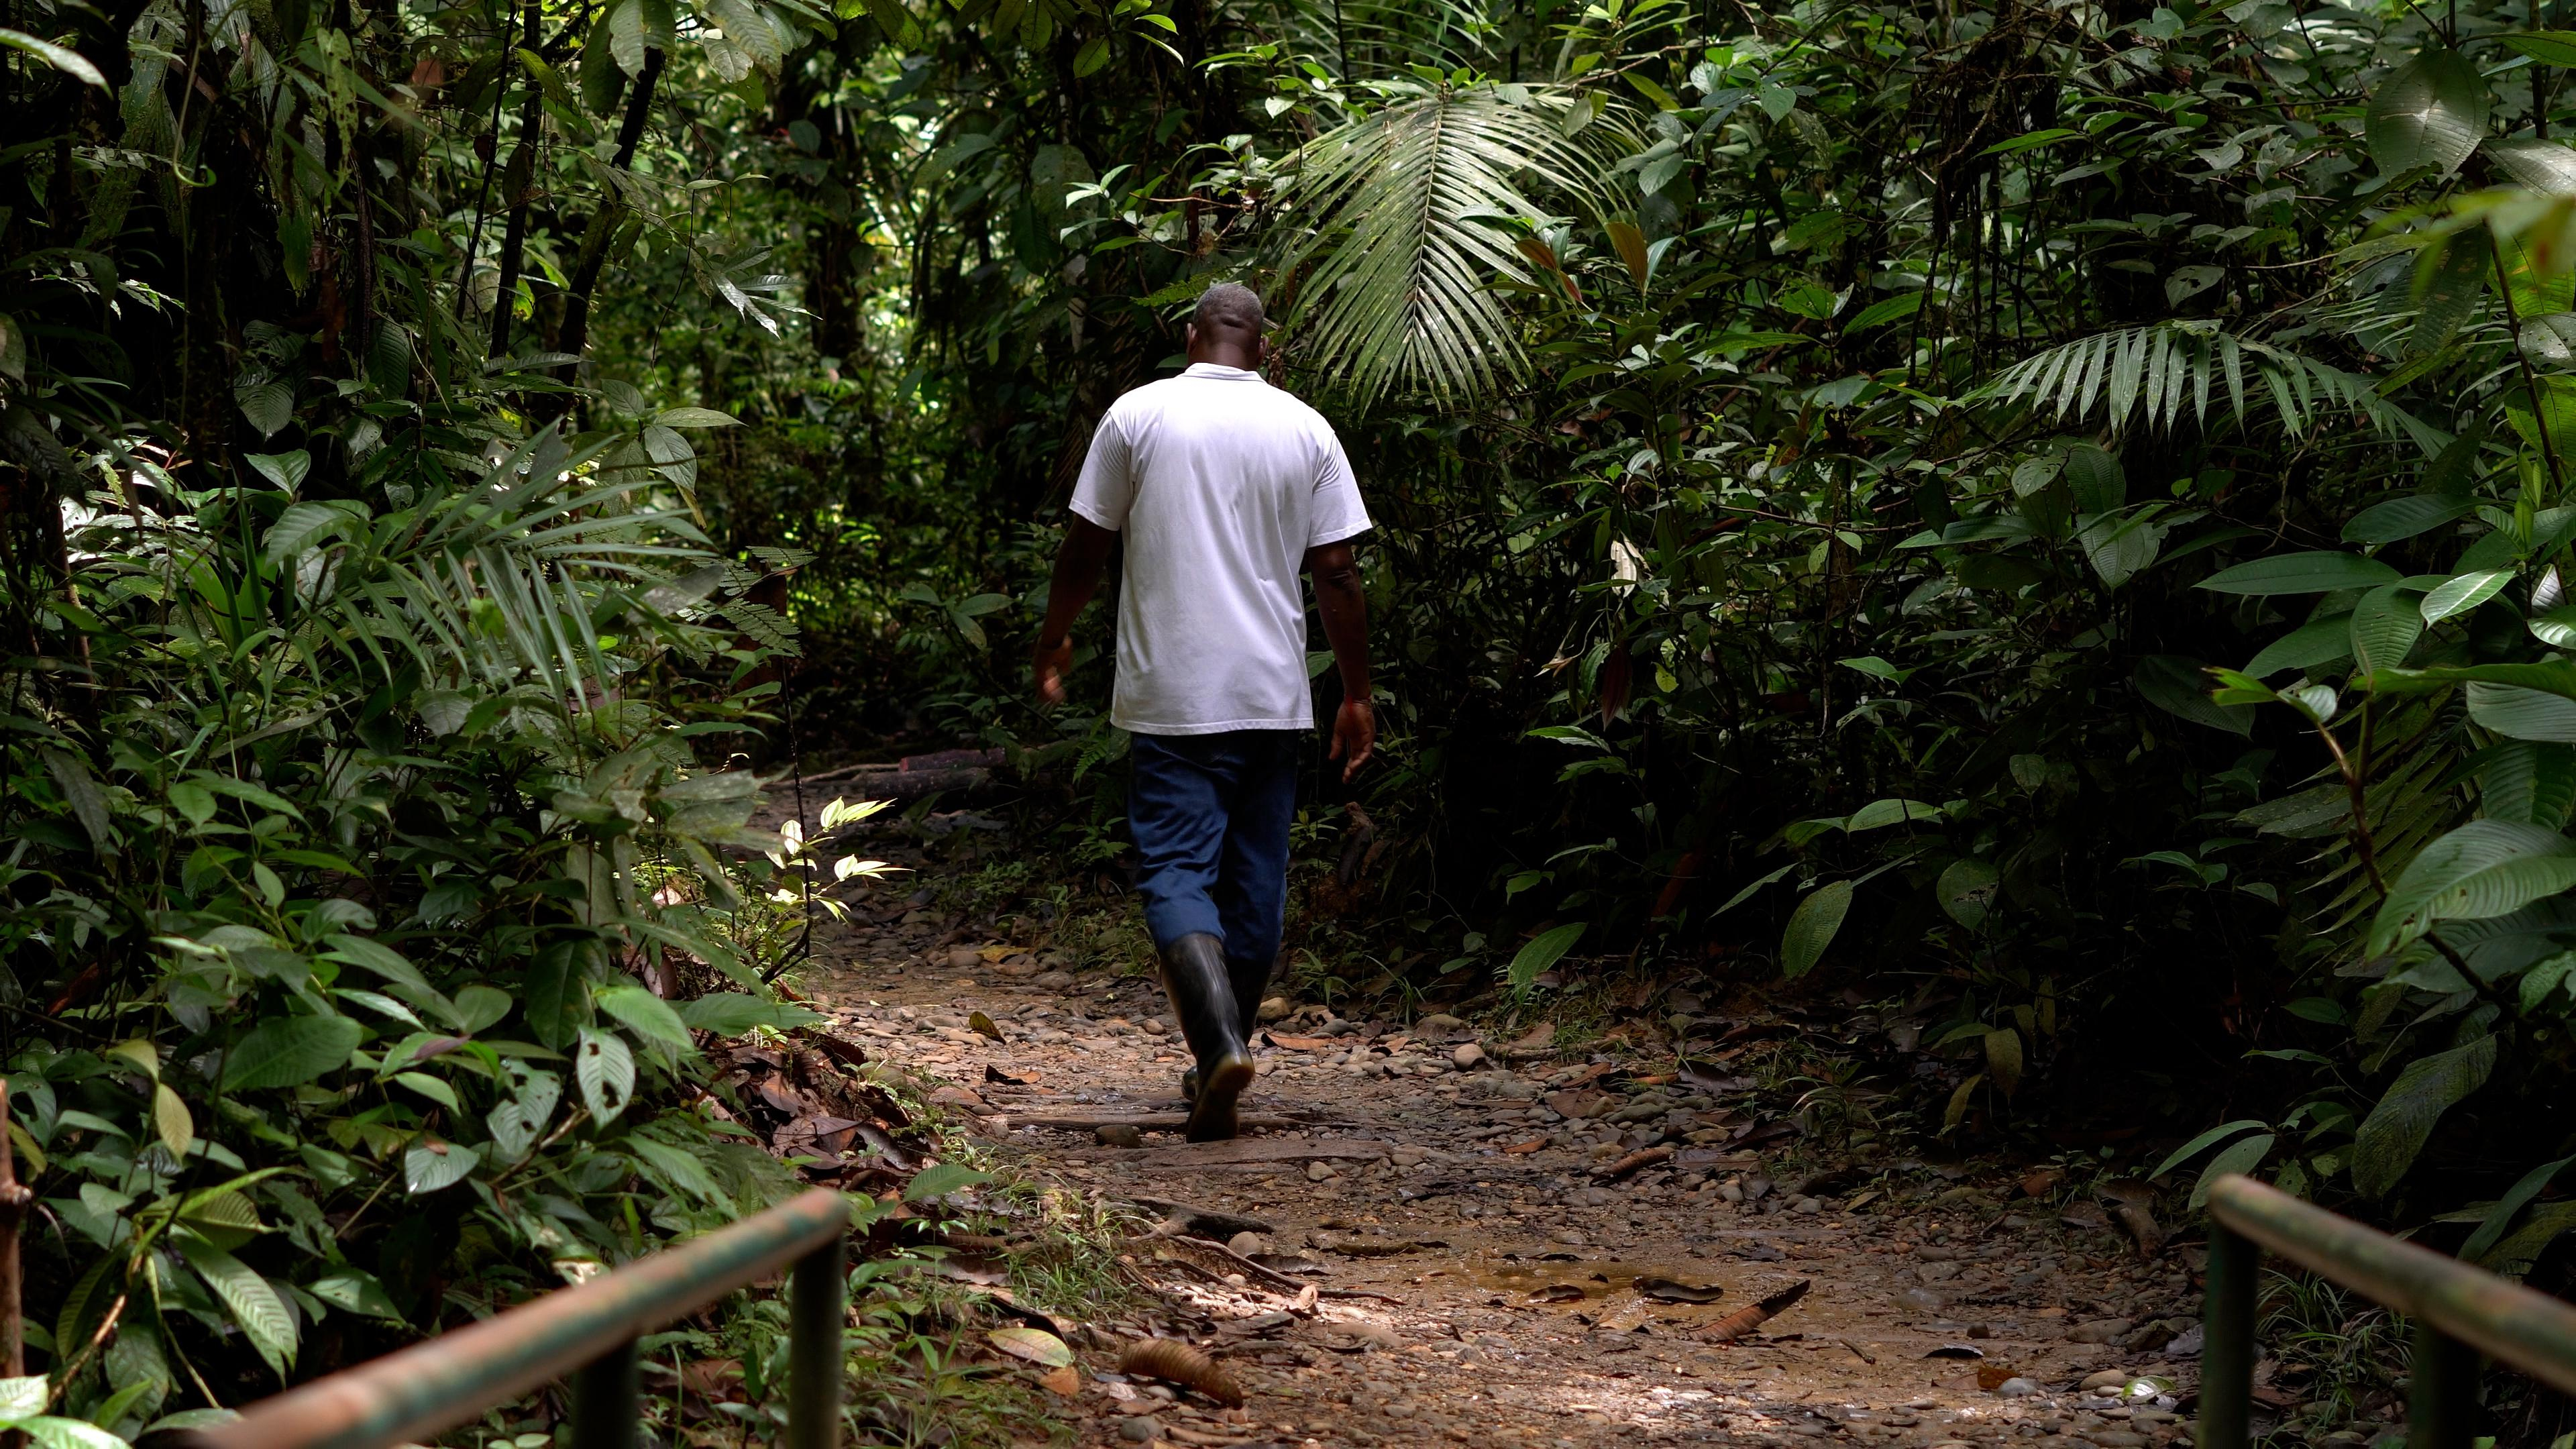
(2484, 869)
(380, 958)
(289, 1051)
(52, 1431)
(357, 1291)
(1812, 927)
(941, 1179)
(479, 1006)
(2430, 112)
(2527, 780)
(1879, 813)
(605, 1069)
(2464, 593)
(557, 991)
(171, 1122)
(1966, 891)
(2302, 573)
(2395, 520)
(2178, 687)
(2395, 1132)
(732, 1013)
(2385, 627)
(2556, 628)
(2544, 980)
(434, 1088)
(1542, 952)
(432, 1163)
(648, 1016)
(2206, 1141)
(676, 1168)
(61, 57)
(2003, 1059)
(2243, 1155)
(2095, 480)
(2319, 641)
(2548, 167)
(695, 418)
(1962, 1098)
(2549, 47)
(2523, 714)
(246, 1295)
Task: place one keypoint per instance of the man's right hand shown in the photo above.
(1354, 736)
(1047, 665)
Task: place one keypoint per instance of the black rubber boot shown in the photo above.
(1250, 979)
(1194, 976)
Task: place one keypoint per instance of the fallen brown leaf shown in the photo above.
(1744, 1320)
(1175, 1362)
(1063, 1382)
(1633, 1162)
(1673, 1290)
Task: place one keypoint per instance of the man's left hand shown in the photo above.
(1354, 736)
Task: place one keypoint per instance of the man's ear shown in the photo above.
(1189, 337)
(1260, 351)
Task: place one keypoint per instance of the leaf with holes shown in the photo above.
(606, 1071)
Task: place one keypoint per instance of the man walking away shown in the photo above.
(1226, 488)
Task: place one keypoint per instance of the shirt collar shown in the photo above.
(1220, 370)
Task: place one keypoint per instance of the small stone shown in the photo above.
(1467, 1057)
(2100, 1330)
(2104, 1379)
(1153, 1026)
(1053, 980)
(2018, 1388)
(965, 958)
(1139, 1429)
(1320, 1172)
(1274, 1008)
(1921, 1300)
(1119, 1134)
(1731, 1190)
(1248, 1243)
(1808, 1205)
(1568, 1236)
(1439, 1021)
(1407, 1156)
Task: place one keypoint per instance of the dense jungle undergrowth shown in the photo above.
(450, 452)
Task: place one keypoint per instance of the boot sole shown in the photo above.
(1212, 1117)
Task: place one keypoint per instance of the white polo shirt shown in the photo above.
(1221, 483)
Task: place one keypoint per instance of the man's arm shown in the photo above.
(1339, 599)
(1078, 566)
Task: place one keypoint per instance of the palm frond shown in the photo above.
(1395, 246)
(2157, 376)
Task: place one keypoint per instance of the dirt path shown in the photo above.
(1481, 1277)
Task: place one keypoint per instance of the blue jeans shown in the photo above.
(1210, 815)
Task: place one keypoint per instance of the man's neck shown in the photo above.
(1240, 359)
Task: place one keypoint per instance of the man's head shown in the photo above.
(1226, 327)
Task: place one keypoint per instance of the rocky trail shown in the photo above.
(1429, 1234)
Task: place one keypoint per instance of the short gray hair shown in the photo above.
(1231, 303)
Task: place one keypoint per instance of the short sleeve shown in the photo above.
(1107, 487)
(1338, 513)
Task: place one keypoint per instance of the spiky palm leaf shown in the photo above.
(1395, 246)
(2160, 374)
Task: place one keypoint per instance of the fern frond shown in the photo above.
(2156, 376)
(1394, 256)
